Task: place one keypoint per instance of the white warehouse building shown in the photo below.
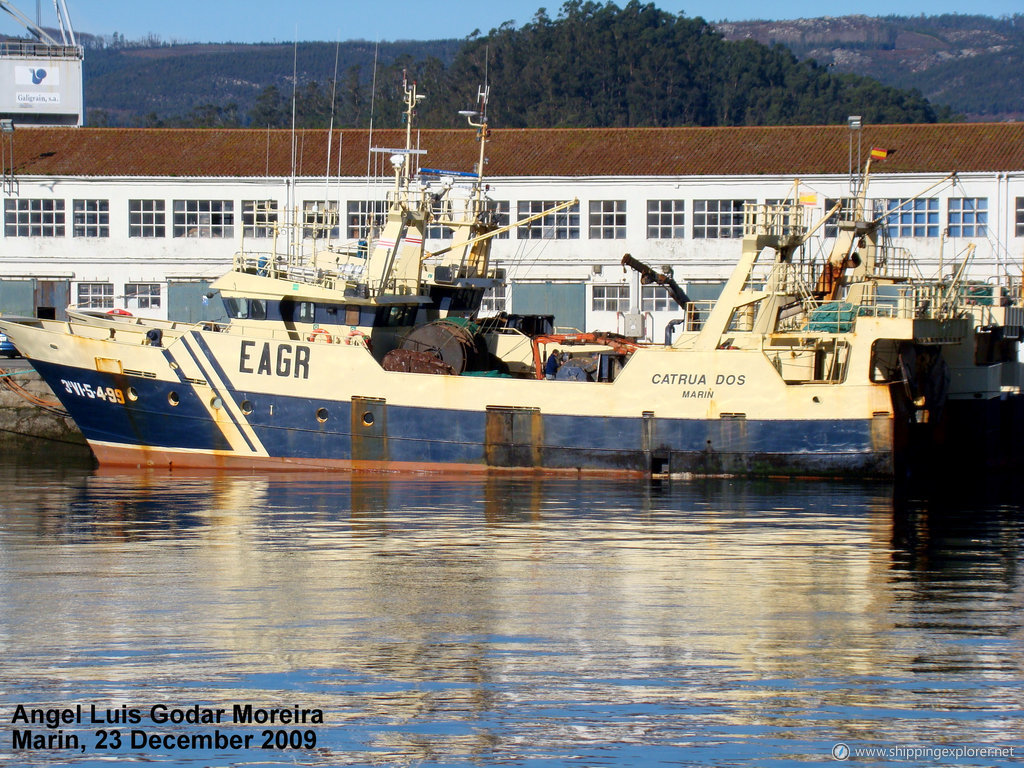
(146, 219)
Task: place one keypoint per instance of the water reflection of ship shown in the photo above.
(412, 600)
(146, 505)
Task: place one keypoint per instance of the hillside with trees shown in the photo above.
(975, 64)
(599, 65)
(215, 85)
(591, 65)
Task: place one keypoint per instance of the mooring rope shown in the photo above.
(47, 405)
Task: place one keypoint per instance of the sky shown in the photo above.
(254, 21)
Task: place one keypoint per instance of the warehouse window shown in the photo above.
(27, 217)
(259, 218)
(496, 297)
(91, 218)
(718, 218)
(912, 218)
(364, 216)
(656, 298)
(204, 218)
(563, 225)
(607, 219)
(147, 218)
(967, 216)
(320, 219)
(96, 295)
(142, 295)
(666, 219)
(610, 298)
(500, 212)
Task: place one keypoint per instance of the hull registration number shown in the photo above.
(109, 394)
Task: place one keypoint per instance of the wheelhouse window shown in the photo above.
(29, 217)
(608, 219)
(91, 218)
(236, 308)
(147, 218)
(610, 298)
(291, 311)
(259, 218)
(967, 217)
(666, 219)
(96, 295)
(142, 295)
(562, 225)
(718, 218)
(204, 218)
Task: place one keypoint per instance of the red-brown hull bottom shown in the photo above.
(143, 457)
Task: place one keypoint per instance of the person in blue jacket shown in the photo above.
(551, 366)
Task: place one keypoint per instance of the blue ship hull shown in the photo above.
(294, 432)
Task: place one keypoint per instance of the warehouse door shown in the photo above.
(17, 297)
(566, 301)
(187, 301)
(52, 298)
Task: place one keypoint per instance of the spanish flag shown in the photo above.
(878, 154)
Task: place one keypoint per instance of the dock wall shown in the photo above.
(31, 417)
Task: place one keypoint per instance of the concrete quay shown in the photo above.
(30, 415)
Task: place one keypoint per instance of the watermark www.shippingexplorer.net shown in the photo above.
(944, 752)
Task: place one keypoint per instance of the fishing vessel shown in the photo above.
(372, 355)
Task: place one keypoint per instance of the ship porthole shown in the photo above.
(172, 398)
(133, 394)
(368, 419)
(246, 407)
(321, 415)
(217, 403)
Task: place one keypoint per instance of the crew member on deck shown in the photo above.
(551, 366)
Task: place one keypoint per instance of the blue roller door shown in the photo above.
(187, 301)
(18, 297)
(566, 301)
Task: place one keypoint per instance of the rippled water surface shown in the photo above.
(510, 621)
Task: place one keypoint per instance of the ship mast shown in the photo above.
(483, 133)
(394, 261)
(411, 100)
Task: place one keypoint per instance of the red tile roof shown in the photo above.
(789, 150)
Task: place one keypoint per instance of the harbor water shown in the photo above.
(389, 620)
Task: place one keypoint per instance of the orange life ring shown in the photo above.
(316, 334)
(357, 339)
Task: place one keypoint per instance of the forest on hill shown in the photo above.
(974, 64)
(591, 65)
